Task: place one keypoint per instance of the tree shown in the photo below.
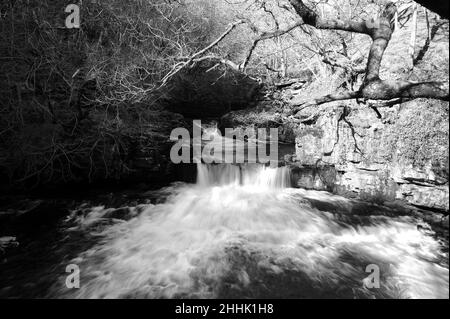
(373, 87)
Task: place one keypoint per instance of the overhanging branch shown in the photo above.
(373, 87)
(181, 65)
(325, 99)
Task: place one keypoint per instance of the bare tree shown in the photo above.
(373, 87)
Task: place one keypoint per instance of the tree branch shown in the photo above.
(347, 66)
(373, 87)
(181, 65)
(388, 90)
(265, 36)
(325, 99)
(311, 18)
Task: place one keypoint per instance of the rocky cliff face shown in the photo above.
(403, 156)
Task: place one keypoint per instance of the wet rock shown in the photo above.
(308, 178)
(124, 213)
(7, 243)
(425, 229)
(120, 213)
(436, 197)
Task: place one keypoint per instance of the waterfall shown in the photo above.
(248, 175)
(241, 231)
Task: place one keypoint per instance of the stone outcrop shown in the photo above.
(398, 157)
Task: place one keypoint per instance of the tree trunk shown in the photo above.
(412, 42)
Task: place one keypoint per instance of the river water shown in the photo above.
(239, 232)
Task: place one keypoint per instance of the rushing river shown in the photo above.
(240, 232)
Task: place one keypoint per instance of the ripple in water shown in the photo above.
(241, 232)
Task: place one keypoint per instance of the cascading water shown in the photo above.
(247, 175)
(242, 232)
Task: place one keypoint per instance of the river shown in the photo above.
(240, 232)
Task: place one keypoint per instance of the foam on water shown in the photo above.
(247, 175)
(241, 232)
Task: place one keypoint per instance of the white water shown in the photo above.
(249, 176)
(242, 232)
